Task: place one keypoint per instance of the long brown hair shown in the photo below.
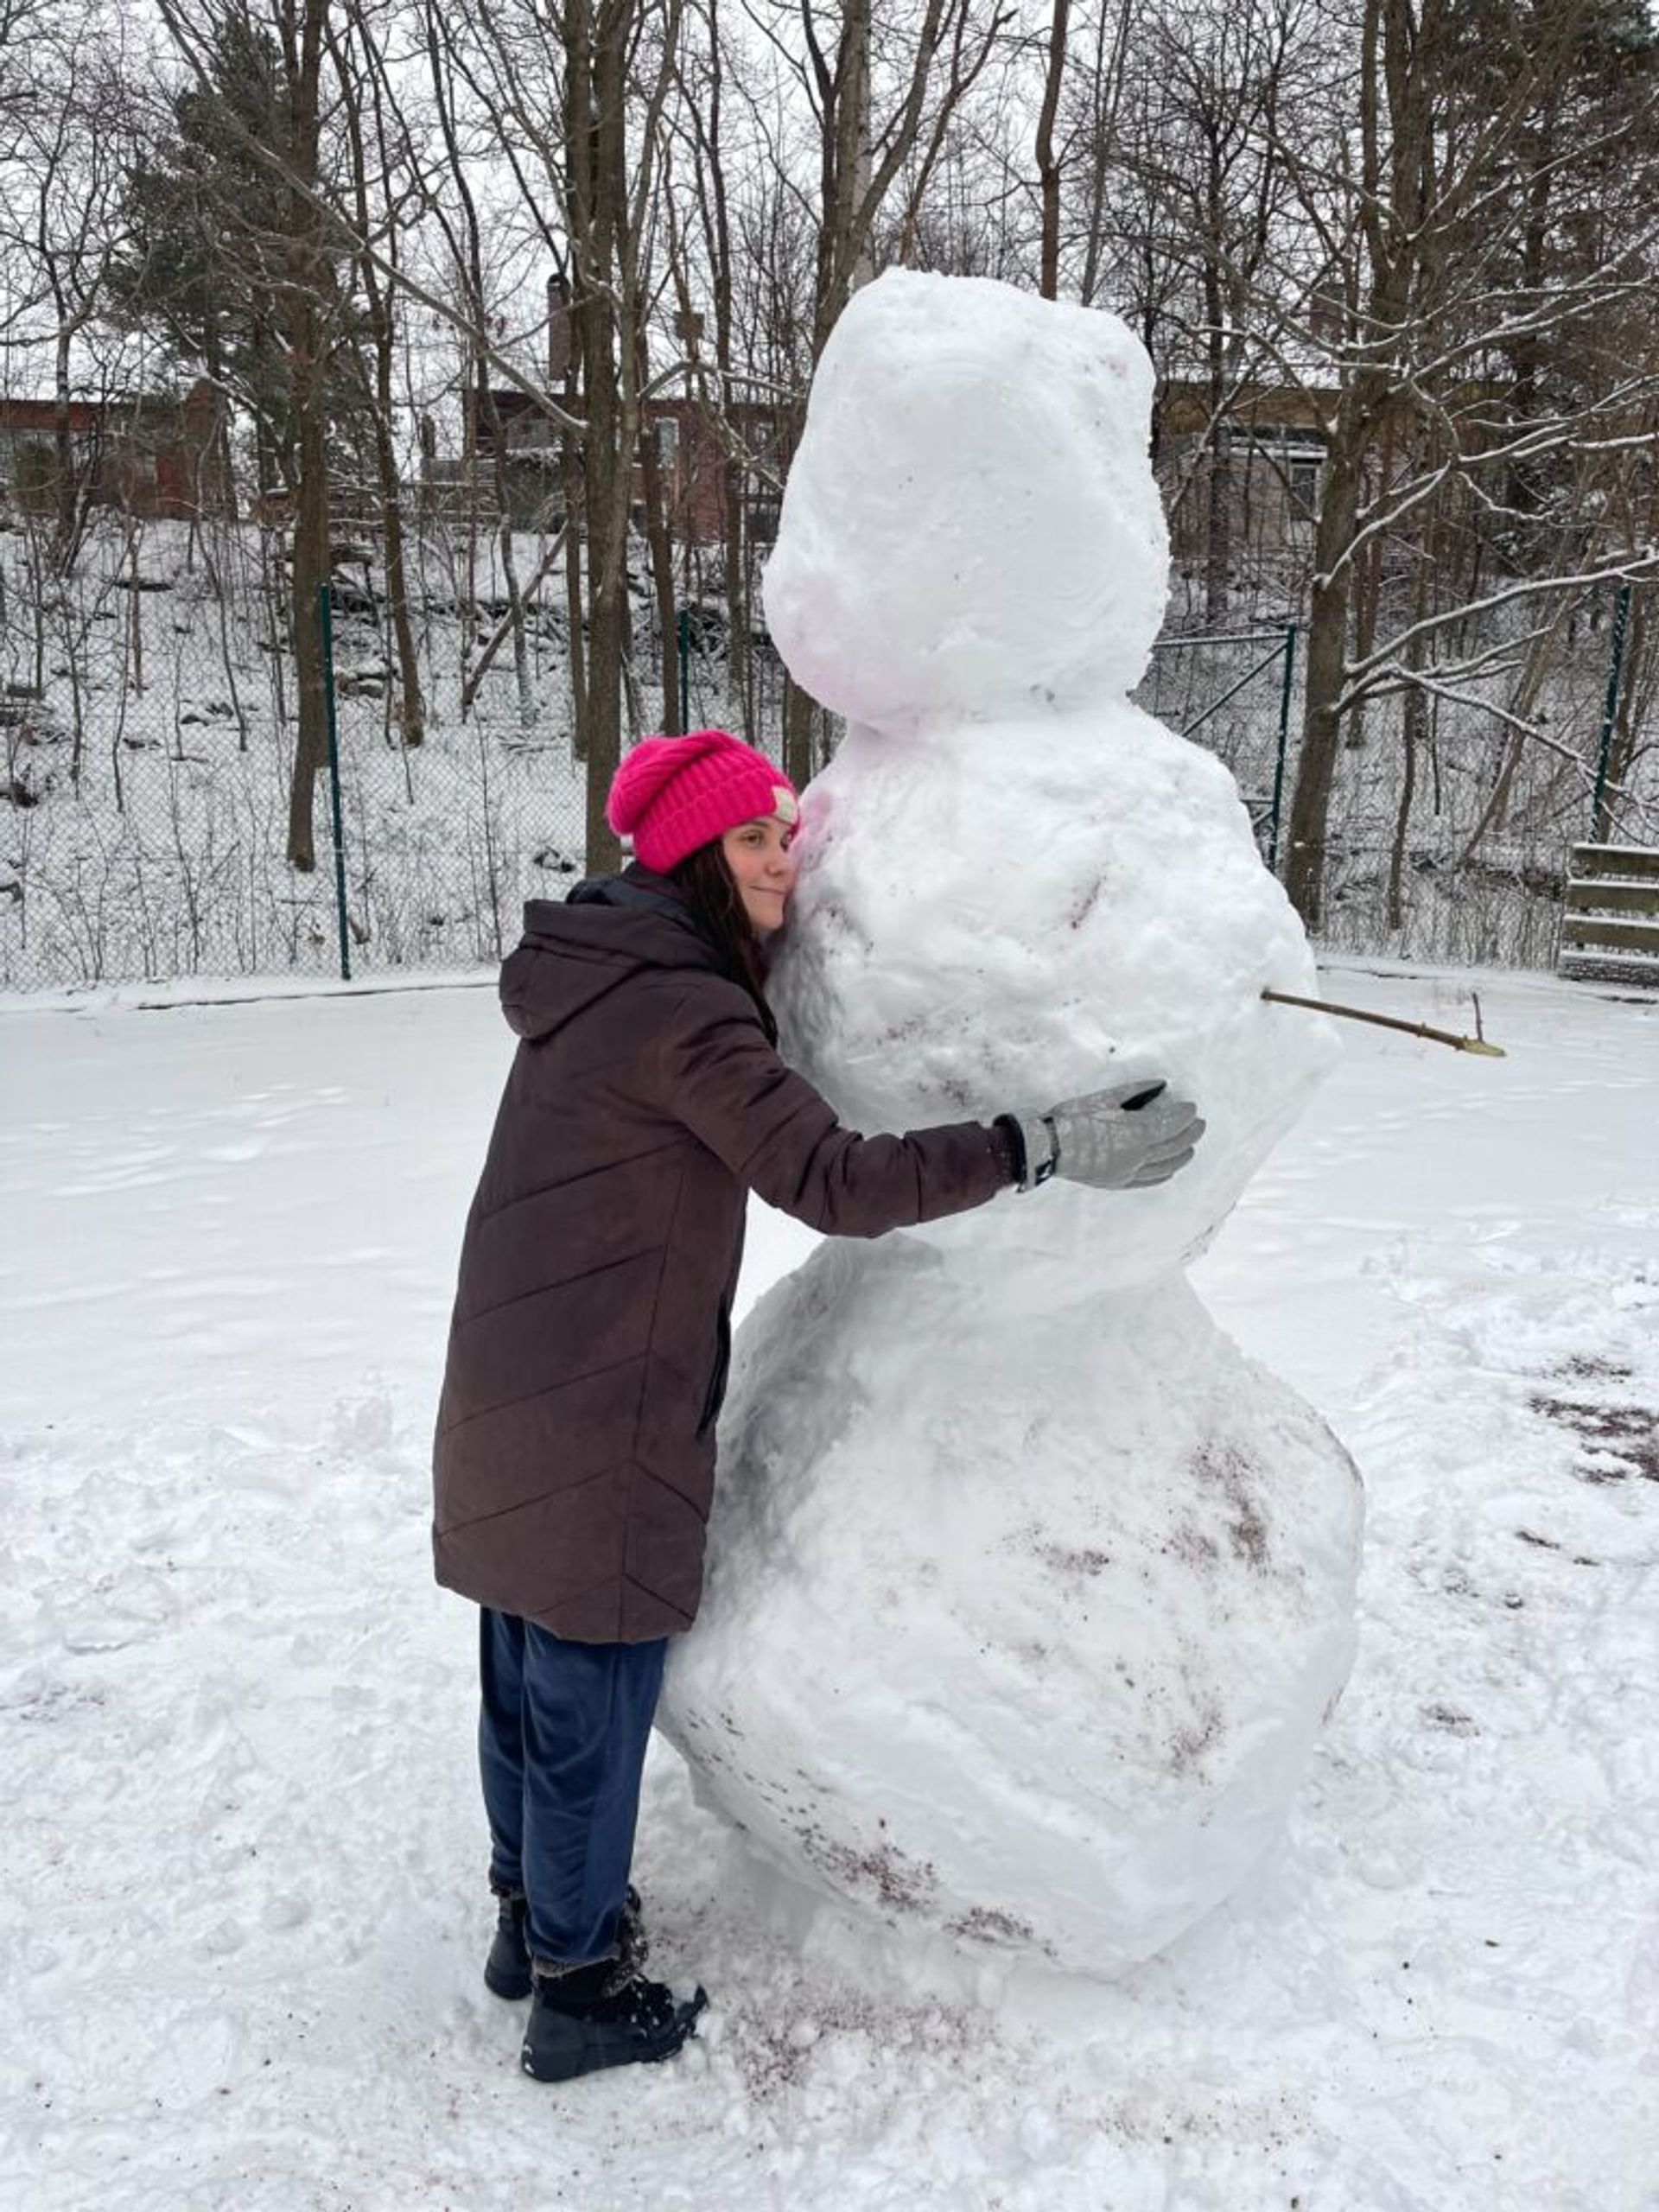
(715, 898)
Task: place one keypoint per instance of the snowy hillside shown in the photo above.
(146, 738)
(146, 754)
(246, 1911)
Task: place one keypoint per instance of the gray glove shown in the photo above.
(1118, 1140)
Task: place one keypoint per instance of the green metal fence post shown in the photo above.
(326, 609)
(1283, 739)
(683, 632)
(1610, 710)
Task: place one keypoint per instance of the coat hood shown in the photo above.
(574, 953)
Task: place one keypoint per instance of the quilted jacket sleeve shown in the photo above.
(721, 1077)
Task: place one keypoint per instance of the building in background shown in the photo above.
(147, 455)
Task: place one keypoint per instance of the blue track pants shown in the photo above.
(562, 1742)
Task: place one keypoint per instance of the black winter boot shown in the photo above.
(506, 1971)
(601, 2015)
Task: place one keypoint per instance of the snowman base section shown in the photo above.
(1018, 1630)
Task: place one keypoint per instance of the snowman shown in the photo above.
(1028, 1592)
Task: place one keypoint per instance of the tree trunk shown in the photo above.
(1413, 723)
(1526, 352)
(510, 577)
(1218, 518)
(411, 709)
(1106, 91)
(1048, 167)
(575, 603)
(1398, 82)
(1327, 651)
(63, 549)
(310, 579)
(1627, 723)
(843, 262)
(733, 516)
(487, 414)
(662, 575)
(740, 615)
(1219, 531)
(596, 41)
(306, 315)
(411, 712)
(800, 732)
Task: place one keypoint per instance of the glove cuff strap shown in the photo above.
(1035, 1147)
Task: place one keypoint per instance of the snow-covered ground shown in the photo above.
(244, 1910)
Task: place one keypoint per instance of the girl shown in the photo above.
(575, 1457)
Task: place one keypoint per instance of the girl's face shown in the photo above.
(762, 864)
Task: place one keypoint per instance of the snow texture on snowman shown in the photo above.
(1028, 1592)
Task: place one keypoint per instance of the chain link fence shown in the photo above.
(146, 731)
(147, 727)
(151, 842)
(1233, 694)
(1450, 827)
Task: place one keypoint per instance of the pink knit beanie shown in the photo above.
(672, 794)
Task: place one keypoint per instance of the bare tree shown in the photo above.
(66, 126)
(1193, 243)
(1419, 247)
(308, 312)
(880, 85)
(374, 125)
(302, 239)
(466, 251)
(1048, 161)
(582, 96)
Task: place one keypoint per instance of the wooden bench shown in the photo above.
(1610, 922)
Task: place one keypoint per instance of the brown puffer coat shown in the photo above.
(575, 1456)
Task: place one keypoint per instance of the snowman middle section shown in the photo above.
(1027, 1592)
(1008, 914)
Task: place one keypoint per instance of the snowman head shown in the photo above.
(970, 528)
